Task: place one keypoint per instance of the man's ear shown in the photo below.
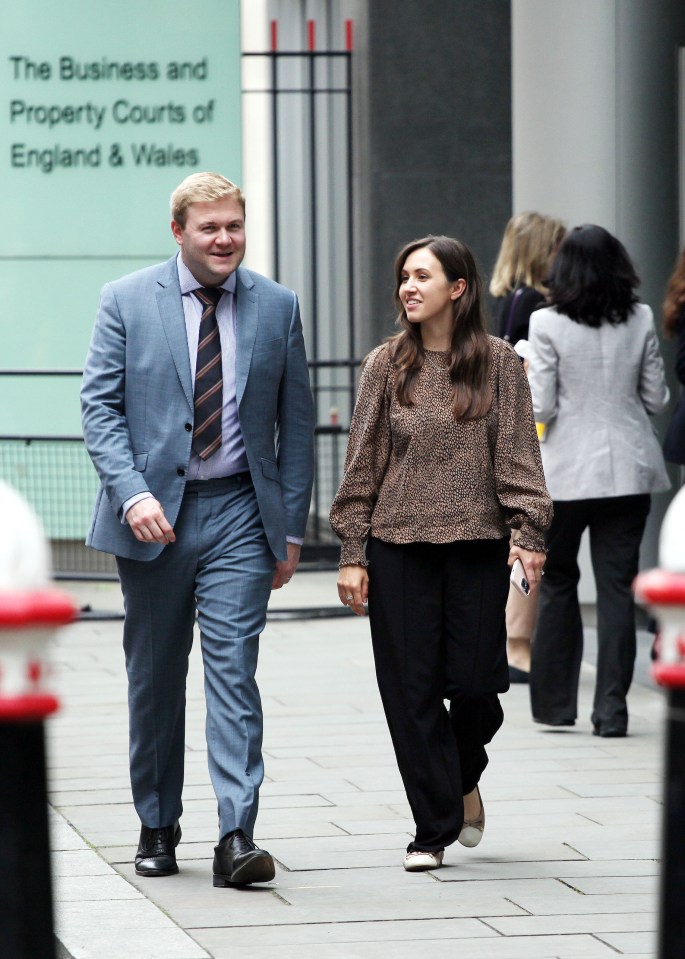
(177, 231)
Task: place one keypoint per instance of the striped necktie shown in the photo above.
(208, 377)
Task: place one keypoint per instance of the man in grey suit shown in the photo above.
(198, 416)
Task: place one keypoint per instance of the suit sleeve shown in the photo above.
(296, 431)
(103, 416)
(652, 388)
(543, 364)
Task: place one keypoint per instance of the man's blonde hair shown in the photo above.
(201, 188)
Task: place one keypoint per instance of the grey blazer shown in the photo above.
(595, 389)
(137, 404)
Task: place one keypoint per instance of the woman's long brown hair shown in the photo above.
(470, 359)
(674, 303)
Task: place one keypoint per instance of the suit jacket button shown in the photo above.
(181, 471)
(189, 427)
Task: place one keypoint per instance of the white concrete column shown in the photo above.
(564, 109)
(257, 182)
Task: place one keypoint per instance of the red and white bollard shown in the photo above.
(30, 611)
(663, 591)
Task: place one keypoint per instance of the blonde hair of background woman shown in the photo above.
(530, 240)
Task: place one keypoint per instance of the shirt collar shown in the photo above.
(189, 283)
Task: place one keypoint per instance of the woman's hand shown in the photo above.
(532, 564)
(353, 588)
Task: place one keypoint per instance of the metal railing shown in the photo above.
(55, 474)
(308, 96)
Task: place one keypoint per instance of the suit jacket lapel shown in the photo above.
(174, 323)
(247, 320)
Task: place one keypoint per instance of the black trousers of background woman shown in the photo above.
(616, 525)
(438, 633)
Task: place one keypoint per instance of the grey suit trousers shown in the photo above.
(222, 566)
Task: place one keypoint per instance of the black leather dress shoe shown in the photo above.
(554, 722)
(156, 855)
(237, 861)
(609, 732)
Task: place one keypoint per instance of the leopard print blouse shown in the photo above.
(415, 474)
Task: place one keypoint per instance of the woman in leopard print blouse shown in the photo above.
(443, 463)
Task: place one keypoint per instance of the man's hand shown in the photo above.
(285, 569)
(148, 522)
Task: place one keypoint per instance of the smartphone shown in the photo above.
(518, 578)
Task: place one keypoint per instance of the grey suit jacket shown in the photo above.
(595, 389)
(137, 404)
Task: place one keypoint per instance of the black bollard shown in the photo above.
(663, 592)
(29, 613)
(26, 924)
(671, 912)
(27, 619)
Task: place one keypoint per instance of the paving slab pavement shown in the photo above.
(568, 866)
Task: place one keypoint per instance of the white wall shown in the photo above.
(563, 109)
(257, 148)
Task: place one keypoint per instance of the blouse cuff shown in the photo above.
(529, 538)
(352, 553)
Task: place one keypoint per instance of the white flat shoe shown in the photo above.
(418, 861)
(473, 829)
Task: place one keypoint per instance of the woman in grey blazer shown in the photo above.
(596, 375)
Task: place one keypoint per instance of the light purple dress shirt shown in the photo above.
(231, 457)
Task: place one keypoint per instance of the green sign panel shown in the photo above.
(106, 109)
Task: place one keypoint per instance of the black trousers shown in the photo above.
(616, 526)
(438, 633)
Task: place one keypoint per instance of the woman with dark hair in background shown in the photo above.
(596, 375)
(529, 243)
(443, 463)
